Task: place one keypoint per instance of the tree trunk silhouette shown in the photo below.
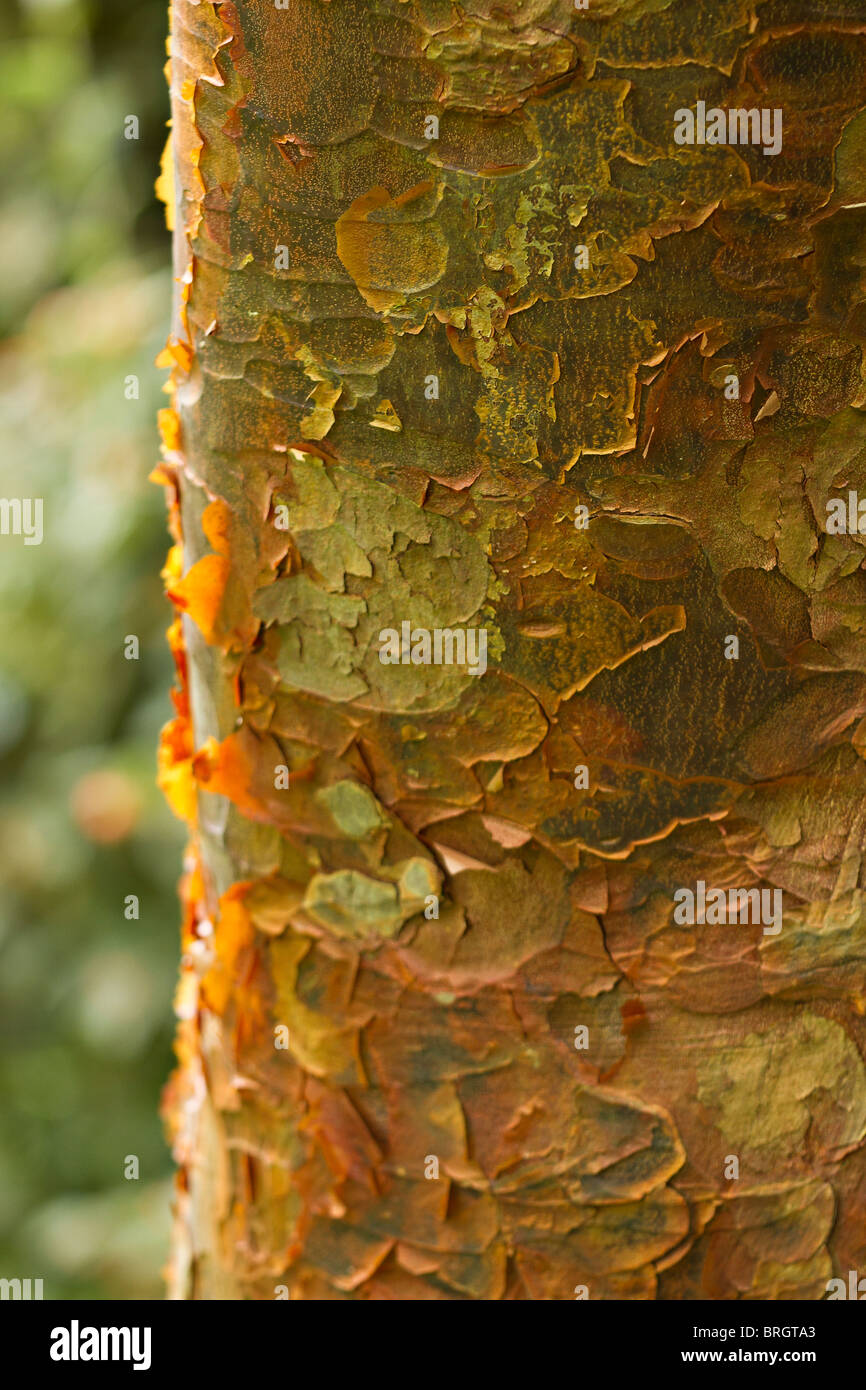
(535, 972)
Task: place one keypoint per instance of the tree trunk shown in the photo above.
(479, 356)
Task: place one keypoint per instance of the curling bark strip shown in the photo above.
(464, 338)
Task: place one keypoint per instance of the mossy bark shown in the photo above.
(532, 367)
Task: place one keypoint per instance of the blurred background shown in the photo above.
(85, 994)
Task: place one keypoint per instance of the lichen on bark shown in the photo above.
(433, 346)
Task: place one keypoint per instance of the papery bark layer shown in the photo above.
(397, 381)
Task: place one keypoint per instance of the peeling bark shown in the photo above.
(532, 368)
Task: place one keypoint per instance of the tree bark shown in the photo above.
(537, 369)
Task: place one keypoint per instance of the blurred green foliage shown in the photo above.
(85, 995)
